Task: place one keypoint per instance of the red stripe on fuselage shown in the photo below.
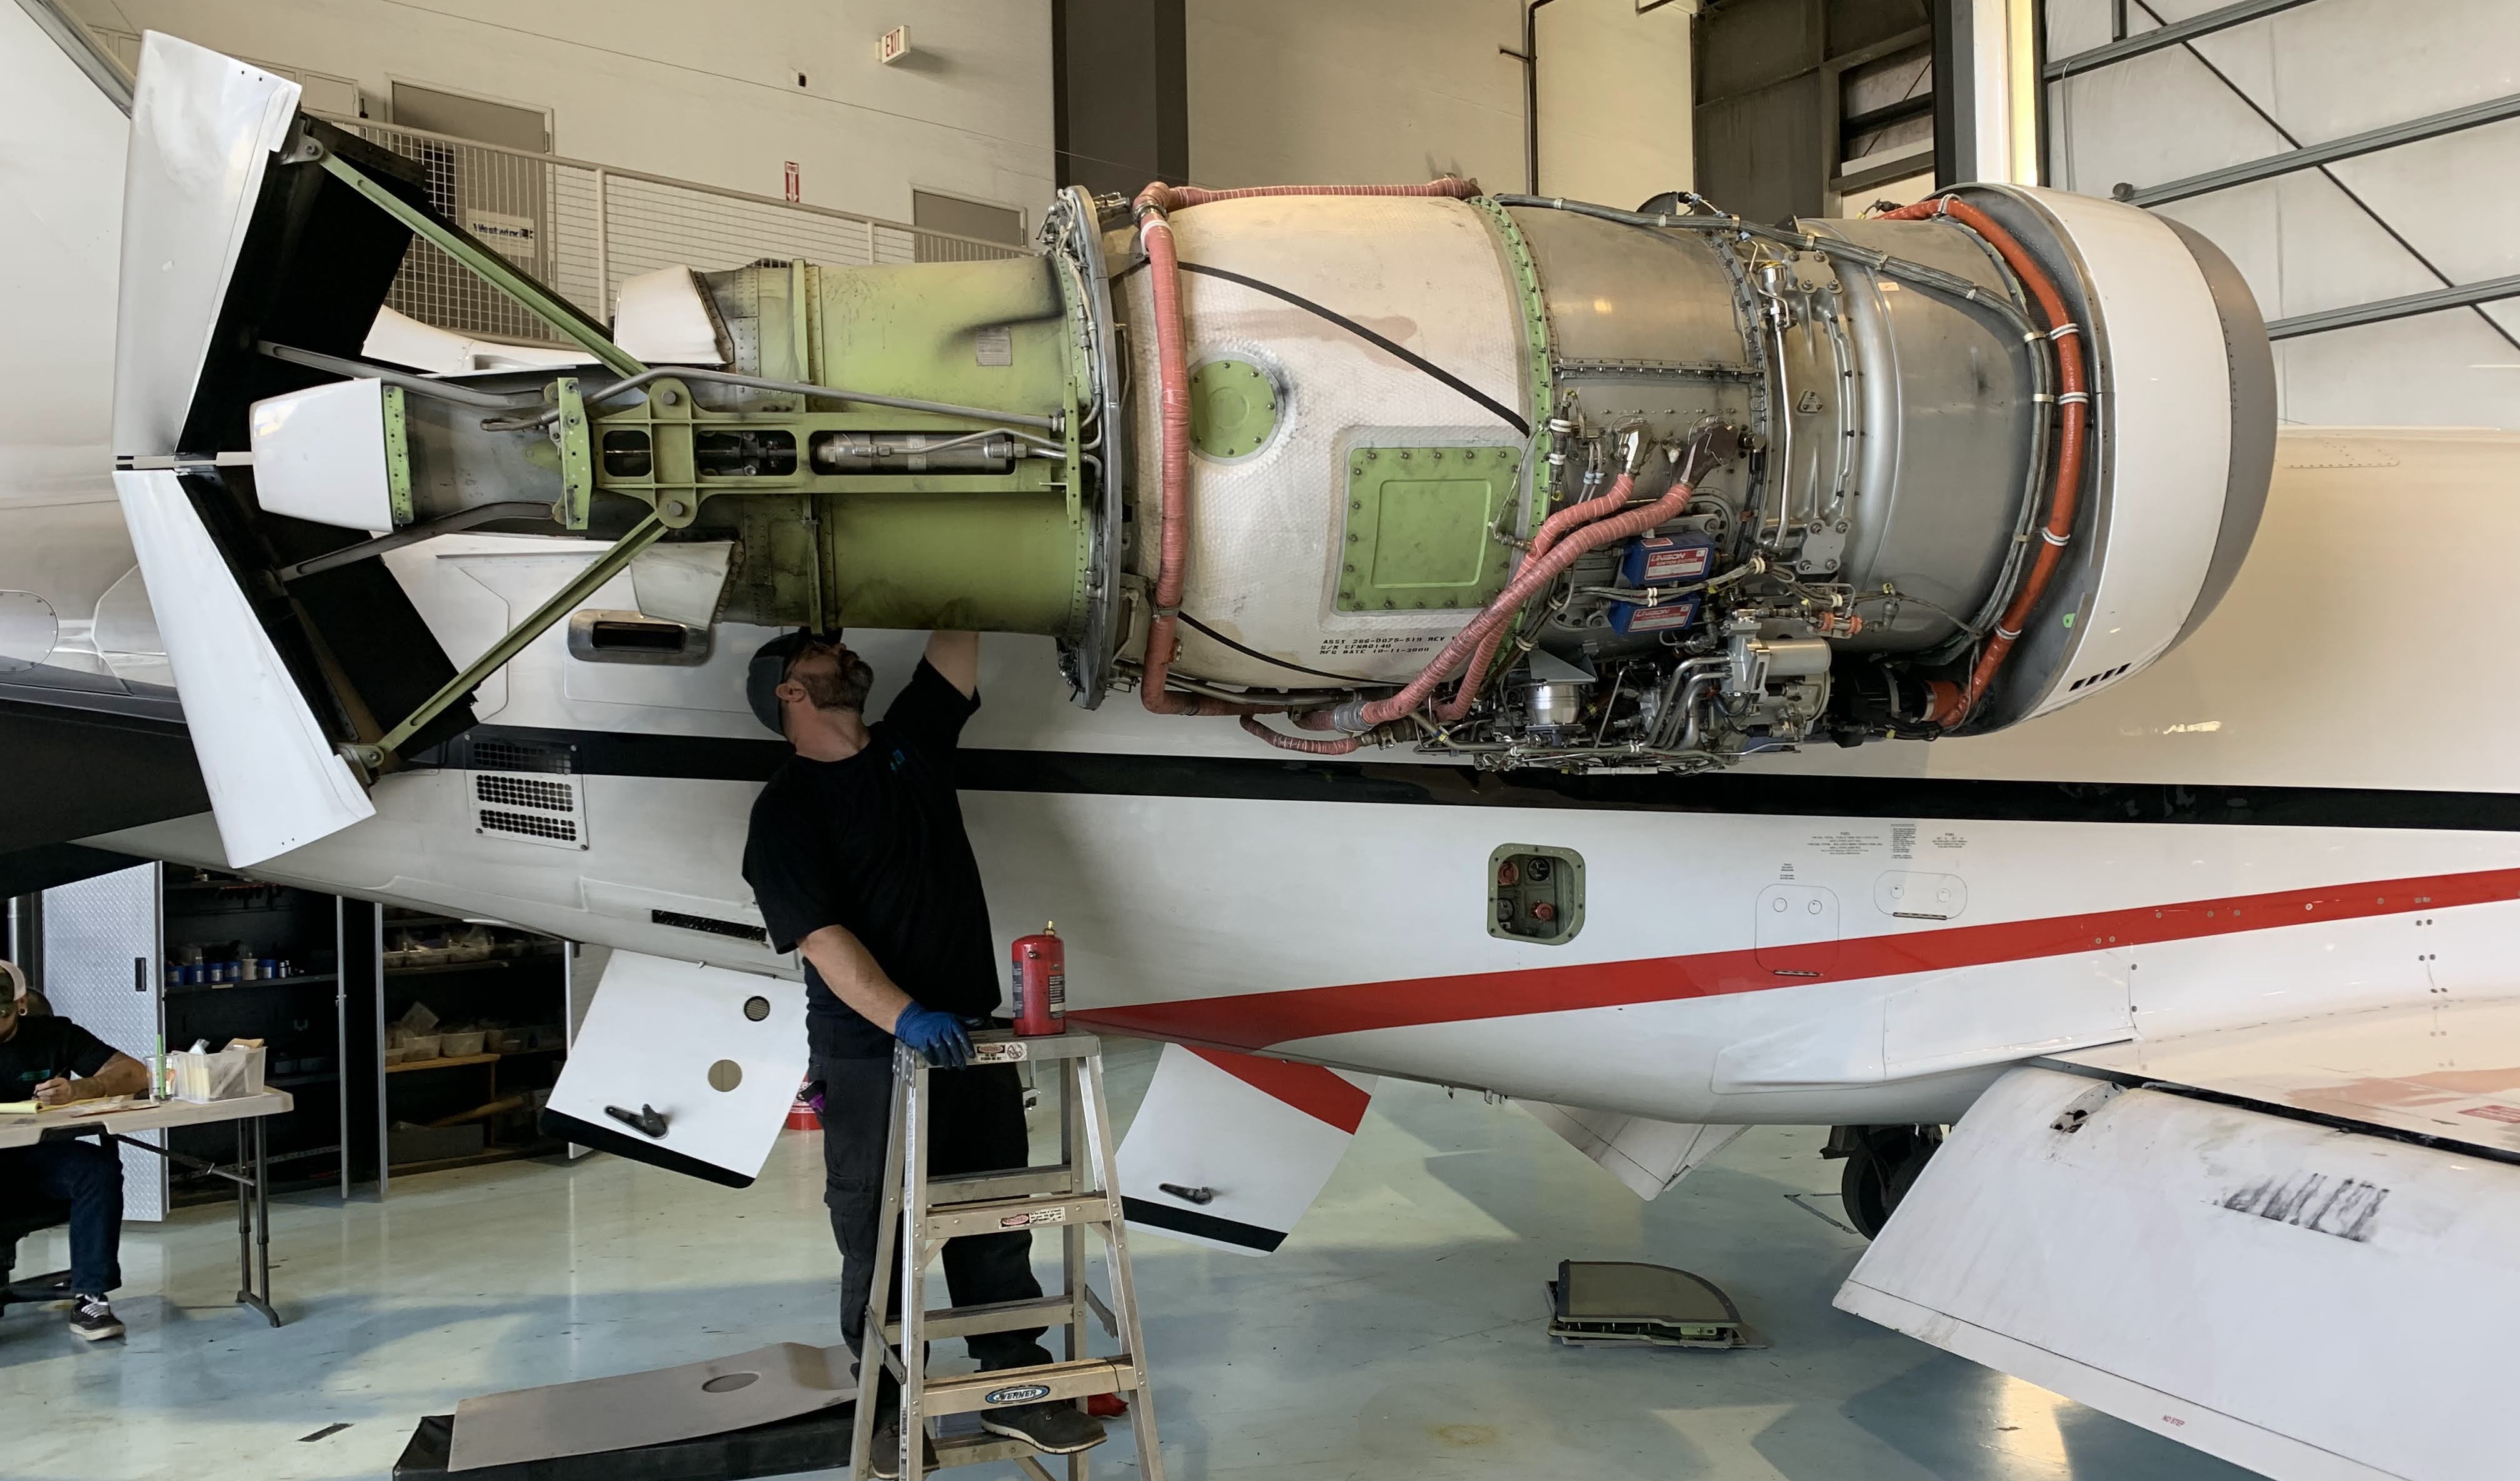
(1308, 1088)
(1257, 1020)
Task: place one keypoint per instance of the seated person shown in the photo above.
(54, 1062)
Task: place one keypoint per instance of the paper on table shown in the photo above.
(96, 1107)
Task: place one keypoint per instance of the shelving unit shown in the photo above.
(102, 949)
(300, 1017)
(427, 1106)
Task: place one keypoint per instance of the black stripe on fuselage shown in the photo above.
(1263, 778)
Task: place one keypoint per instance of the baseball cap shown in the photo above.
(769, 668)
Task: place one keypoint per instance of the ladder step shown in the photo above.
(1010, 1214)
(1013, 1183)
(946, 1321)
(978, 1450)
(969, 1393)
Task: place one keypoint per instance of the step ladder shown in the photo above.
(1077, 1193)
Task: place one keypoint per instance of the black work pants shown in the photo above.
(89, 1178)
(976, 1125)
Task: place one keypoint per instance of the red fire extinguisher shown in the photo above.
(1039, 968)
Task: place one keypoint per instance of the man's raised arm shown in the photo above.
(956, 657)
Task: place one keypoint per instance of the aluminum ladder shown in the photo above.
(1072, 1194)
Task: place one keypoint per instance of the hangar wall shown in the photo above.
(2321, 73)
(696, 92)
(1329, 91)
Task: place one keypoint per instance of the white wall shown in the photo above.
(699, 92)
(2325, 71)
(1347, 91)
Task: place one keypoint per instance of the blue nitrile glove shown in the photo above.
(940, 1037)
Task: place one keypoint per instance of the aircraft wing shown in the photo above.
(2207, 1235)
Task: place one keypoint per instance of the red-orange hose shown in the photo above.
(1172, 358)
(1534, 575)
(1467, 693)
(1287, 742)
(1952, 704)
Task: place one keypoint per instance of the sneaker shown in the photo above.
(1058, 1429)
(93, 1320)
(885, 1463)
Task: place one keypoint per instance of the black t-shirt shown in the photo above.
(48, 1049)
(876, 843)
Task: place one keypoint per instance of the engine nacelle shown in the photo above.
(1872, 477)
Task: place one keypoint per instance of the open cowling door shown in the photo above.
(690, 1067)
(205, 131)
(1229, 1150)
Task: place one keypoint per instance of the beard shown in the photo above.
(844, 686)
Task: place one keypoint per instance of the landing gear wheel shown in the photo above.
(1880, 1168)
(1863, 1186)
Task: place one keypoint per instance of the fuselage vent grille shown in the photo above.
(709, 924)
(529, 824)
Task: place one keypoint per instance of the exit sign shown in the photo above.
(896, 44)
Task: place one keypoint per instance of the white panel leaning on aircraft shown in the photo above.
(2245, 871)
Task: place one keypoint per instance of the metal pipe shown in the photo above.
(1529, 56)
(2206, 24)
(614, 559)
(2460, 296)
(463, 518)
(1675, 687)
(422, 385)
(790, 388)
(2370, 141)
(1689, 695)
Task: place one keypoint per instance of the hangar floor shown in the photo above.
(1398, 1333)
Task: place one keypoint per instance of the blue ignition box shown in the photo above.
(1661, 561)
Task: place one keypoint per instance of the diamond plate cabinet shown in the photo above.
(157, 957)
(102, 967)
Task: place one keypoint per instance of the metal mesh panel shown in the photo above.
(103, 970)
(526, 792)
(581, 229)
(557, 830)
(518, 756)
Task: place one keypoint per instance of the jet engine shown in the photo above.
(1514, 481)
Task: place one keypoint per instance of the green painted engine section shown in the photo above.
(998, 552)
(1423, 526)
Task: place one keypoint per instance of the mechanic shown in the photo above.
(51, 1061)
(858, 859)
